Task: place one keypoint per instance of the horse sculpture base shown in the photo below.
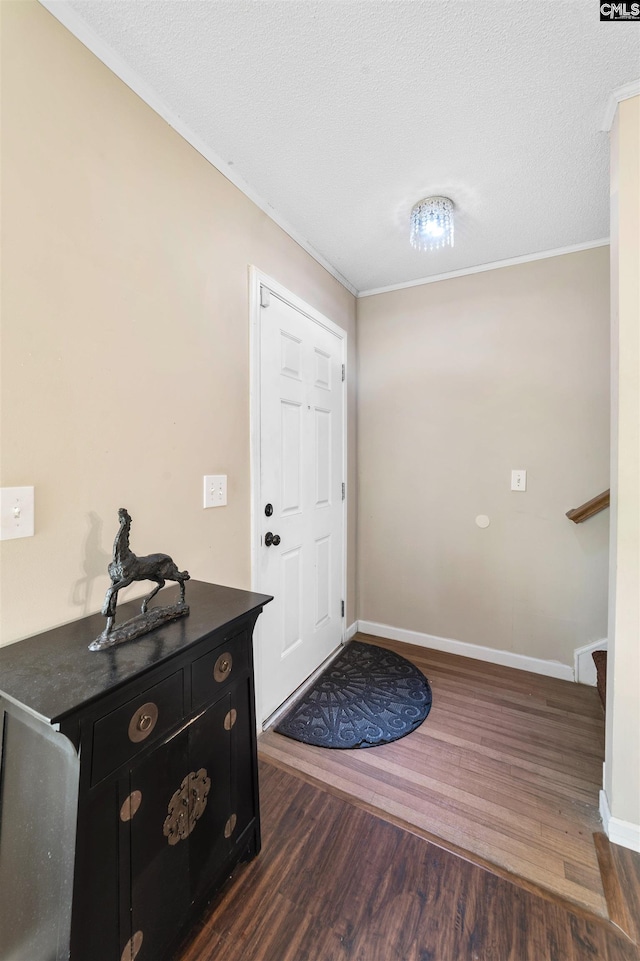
(138, 626)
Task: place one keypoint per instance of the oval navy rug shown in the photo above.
(366, 697)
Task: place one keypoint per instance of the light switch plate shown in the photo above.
(215, 490)
(16, 512)
(518, 480)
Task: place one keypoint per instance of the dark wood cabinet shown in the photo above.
(129, 785)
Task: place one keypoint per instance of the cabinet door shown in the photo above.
(191, 799)
(210, 751)
(244, 775)
(175, 839)
(159, 856)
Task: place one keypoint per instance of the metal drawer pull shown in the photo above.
(186, 806)
(223, 666)
(143, 722)
(130, 806)
(132, 947)
(230, 826)
(230, 719)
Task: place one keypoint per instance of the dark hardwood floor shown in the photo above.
(505, 770)
(334, 882)
(620, 870)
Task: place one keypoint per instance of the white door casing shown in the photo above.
(298, 466)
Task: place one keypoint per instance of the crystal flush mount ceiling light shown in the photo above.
(432, 223)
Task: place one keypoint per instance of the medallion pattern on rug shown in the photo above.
(368, 696)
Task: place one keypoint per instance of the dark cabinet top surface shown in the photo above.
(55, 673)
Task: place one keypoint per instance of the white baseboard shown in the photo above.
(605, 813)
(351, 631)
(492, 655)
(624, 833)
(585, 669)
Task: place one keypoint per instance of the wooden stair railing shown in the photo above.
(594, 506)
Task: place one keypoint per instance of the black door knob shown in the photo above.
(270, 539)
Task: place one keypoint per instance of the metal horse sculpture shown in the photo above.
(124, 569)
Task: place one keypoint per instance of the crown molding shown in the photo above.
(622, 93)
(495, 265)
(67, 16)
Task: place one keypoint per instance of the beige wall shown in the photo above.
(459, 382)
(125, 330)
(622, 782)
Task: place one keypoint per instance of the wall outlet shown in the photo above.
(518, 480)
(16, 512)
(215, 490)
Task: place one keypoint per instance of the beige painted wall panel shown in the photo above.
(622, 784)
(461, 381)
(125, 331)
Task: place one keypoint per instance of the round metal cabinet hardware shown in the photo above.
(230, 719)
(230, 826)
(268, 510)
(186, 806)
(222, 667)
(143, 722)
(130, 806)
(132, 947)
(270, 538)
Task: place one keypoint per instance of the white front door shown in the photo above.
(300, 509)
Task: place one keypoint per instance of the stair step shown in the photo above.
(600, 661)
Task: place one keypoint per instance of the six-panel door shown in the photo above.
(302, 473)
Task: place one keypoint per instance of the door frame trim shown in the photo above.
(258, 279)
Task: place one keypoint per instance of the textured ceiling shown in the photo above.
(341, 114)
